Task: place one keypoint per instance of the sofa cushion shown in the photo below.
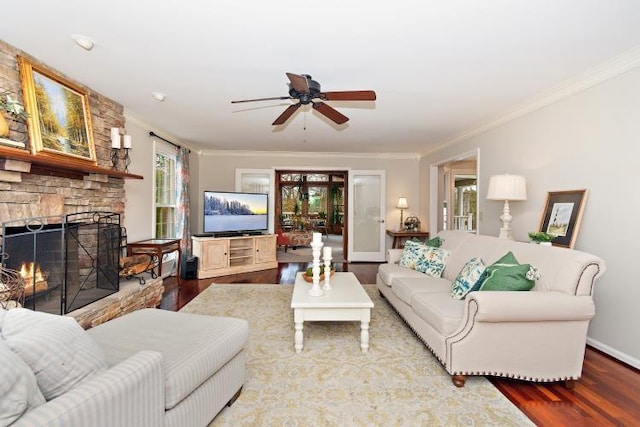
(199, 345)
(469, 279)
(507, 274)
(19, 390)
(56, 348)
(390, 272)
(404, 288)
(423, 258)
(439, 310)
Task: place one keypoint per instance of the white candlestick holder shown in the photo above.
(316, 290)
(327, 274)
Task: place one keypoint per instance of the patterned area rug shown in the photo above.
(332, 383)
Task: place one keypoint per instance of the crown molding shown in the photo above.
(305, 154)
(607, 70)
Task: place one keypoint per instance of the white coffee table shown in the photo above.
(347, 301)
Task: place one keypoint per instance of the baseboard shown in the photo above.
(623, 357)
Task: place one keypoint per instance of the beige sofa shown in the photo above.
(539, 335)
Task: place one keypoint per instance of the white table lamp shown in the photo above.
(507, 187)
(402, 205)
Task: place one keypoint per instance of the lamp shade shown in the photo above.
(402, 203)
(507, 187)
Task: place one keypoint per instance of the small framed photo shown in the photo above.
(562, 216)
(60, 121)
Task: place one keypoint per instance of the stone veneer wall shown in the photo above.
(131, 297)
(26, 195)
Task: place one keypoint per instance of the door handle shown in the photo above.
(381, 221)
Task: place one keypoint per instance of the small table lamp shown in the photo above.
(402, 205)
(507, 187)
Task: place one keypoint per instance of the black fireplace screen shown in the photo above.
(67, 262)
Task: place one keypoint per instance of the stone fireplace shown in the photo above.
(35, 186)
(66, 262)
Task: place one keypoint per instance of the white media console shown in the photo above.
(221, 256)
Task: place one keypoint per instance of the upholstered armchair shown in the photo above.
(282, 240)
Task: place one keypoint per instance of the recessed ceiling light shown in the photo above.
(83, 41)
(159, 96)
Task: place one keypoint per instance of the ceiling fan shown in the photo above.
(306, 90)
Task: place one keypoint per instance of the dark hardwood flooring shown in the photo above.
(608, 394)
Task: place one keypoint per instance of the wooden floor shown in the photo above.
(608, 394)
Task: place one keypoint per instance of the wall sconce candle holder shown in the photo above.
(115, 150)
(116, 158)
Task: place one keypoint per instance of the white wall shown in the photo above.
(139, 208)
(138, 211)
(589, 140)
(217, 172)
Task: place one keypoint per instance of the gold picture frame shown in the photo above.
(60, 119)
(562, 216)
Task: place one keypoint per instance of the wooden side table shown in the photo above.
(159, 247)
(400, 236)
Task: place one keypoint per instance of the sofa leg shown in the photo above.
(570, 384)
(234, 397)
(458, 380)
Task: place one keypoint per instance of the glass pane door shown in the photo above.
(366, 215)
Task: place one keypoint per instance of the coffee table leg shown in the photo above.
(298, 336)
(364, 336)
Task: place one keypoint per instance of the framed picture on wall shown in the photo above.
(562, 216)
(59, 122)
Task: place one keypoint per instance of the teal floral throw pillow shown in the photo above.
(507, 274)
(423, 258)
(469, 279)
(410, 254)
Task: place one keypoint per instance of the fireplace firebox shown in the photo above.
(67, 261)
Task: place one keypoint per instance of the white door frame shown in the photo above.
(434, 208)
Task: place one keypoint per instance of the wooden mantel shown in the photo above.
(45, 165)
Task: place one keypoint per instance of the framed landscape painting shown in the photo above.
(562, 216)
(59, 122)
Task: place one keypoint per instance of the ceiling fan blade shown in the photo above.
(286, 114)
(330, 112)
(349, 95)
(262, 99)
(298, 82)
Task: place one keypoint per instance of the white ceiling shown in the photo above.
(439, 67)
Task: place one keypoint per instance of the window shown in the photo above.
(165, 196)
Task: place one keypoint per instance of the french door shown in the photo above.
(367, 208)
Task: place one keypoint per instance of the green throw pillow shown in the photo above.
(507, 275)
(436, 242)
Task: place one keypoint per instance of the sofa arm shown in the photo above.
(393, 255)
(534, 306)
(130, 394)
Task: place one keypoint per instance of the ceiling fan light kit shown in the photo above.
(308, 91)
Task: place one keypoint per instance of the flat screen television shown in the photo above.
(229, 213)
